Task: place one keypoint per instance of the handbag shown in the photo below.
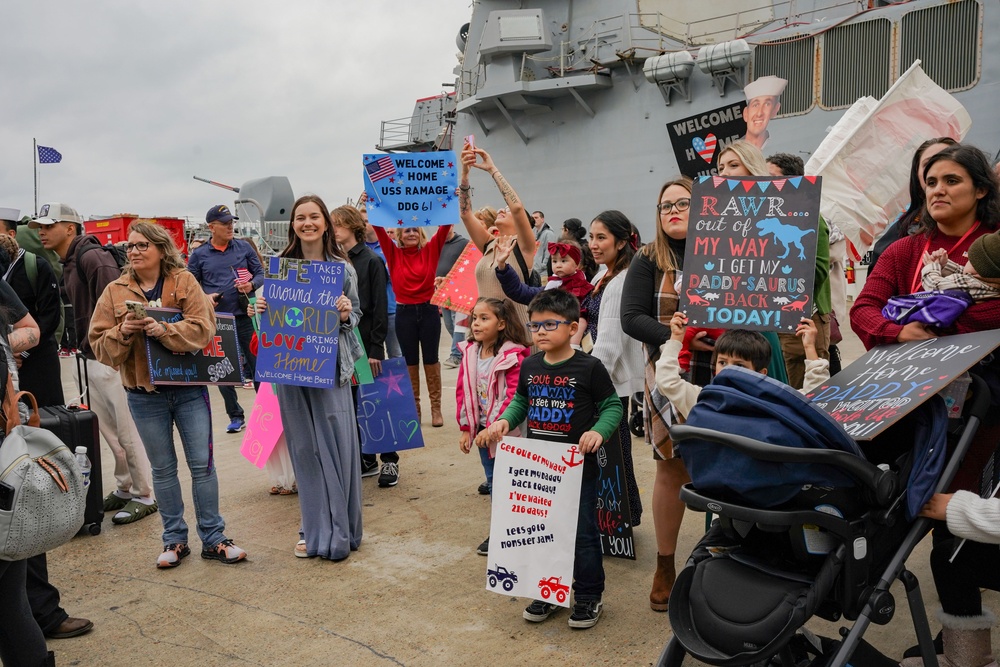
(936, 309)
(42, 492)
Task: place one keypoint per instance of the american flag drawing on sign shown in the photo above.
(48, 155)
(380, 168)
(243, 276)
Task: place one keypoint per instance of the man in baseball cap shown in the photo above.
(762, 105)
(219, 213)
(50, 214)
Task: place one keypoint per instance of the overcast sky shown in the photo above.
(141, 96)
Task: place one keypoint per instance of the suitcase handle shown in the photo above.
(82, 380)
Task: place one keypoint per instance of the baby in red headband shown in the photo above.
(566, 275)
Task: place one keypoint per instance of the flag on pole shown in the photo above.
(380, 168)
(48, 155)
(242, 276)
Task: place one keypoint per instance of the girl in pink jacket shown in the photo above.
(487, 377)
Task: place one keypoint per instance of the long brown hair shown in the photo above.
(514, 329)
(659, 249)
(161, 238)
(294, 247)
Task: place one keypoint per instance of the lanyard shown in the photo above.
(915, 283)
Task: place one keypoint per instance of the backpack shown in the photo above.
(117, 253)
(531, 277)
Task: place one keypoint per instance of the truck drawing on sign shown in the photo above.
(553, 586)
(503, 576)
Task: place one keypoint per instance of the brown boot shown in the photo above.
(415, 383)
(433, 375)
(663, 582)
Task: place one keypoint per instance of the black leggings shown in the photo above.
(21, 640)
(976, 566)
(418, 328)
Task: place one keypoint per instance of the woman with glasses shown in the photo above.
(155, 276)
(613, 242)
(649, 300)
(511, 220)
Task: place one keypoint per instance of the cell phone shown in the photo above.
(471, 140)
(707, 340)
(6, 496)
(137, 309)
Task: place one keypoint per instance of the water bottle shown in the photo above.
(84, 462)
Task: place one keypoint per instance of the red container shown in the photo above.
(115, 229)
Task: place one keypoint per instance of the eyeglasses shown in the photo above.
(548, 325)
(141, 246)
(681, 205)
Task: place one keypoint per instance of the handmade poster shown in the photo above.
(220, 363)
(699, 140)
(890, 381)
(362, 369)
(459, 292)
(263, 427)
(387, 413)
(300, 329)
(411, 189)
(536, 500)
(750, 261)
(614, 514)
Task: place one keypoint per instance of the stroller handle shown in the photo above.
(882, 483)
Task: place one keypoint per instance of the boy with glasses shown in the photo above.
(589, 418)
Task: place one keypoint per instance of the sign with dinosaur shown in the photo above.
(536, 502)
(750, 260)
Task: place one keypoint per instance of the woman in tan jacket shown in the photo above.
(155, 276)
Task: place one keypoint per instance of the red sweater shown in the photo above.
(893, 276)
(412, 269)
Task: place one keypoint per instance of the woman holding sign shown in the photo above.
(155, 274)
(320, 422)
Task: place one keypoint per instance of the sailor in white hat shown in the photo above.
(762, 105)
(8, 220)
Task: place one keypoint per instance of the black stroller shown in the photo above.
(808, 524)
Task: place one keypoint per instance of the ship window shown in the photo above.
(946, 40)
(520, 27)
(856, 62)
(791, 59)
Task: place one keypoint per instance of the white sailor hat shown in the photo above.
(765, 86)
(9, 213)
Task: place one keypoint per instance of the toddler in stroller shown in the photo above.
(808, 523)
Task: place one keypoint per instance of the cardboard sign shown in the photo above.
(889, 382)
(459, 291)
(614, 514)
(387, 413)
(750, 261)
(536, 502)
(263, 427)
(411, 189)
(221, 362)
(300, 329)
(699, 140)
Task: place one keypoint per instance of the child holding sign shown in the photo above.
(590, 415)
(487, 376)
(736, 347)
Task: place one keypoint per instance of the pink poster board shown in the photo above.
(458, 292)
(263, 427)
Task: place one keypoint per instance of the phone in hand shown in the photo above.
(471, 141)
(137, 309)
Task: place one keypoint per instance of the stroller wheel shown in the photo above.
(635, 424)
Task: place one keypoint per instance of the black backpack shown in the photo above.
(116, 251)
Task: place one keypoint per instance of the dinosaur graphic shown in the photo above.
(799, 304)
(696, 300)
(712, 296)
(781, 300)
(786, 235)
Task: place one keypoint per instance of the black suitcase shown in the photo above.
(77, 427)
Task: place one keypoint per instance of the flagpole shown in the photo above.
(34, 162)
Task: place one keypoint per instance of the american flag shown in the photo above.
(243, 276)
(48, 155)
(380, 168)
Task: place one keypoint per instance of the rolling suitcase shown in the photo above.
(77, 427)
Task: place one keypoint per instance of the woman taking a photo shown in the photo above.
(155, 276)
(613, 241)
(412, 265)
(320, 422)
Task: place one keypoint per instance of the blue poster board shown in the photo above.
(387, 413)
(300, 329)
(411, 189)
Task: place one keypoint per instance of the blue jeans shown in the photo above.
(488, 463)
(155, 416)
(588, 568)
(391, 342)
(456, 337)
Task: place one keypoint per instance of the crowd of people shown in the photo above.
(592, 304)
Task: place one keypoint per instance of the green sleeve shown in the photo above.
(516, 410)
(609, 416)
(821, 290)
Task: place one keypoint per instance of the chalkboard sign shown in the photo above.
(614, 514)
(387, 413)
(300, 330)
(700, 139)
(889, 382)
(221, 362)
(750, 261)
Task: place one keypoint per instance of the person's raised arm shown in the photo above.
(478, 233)
(522, 223)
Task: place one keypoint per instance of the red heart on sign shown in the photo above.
(705, 147)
